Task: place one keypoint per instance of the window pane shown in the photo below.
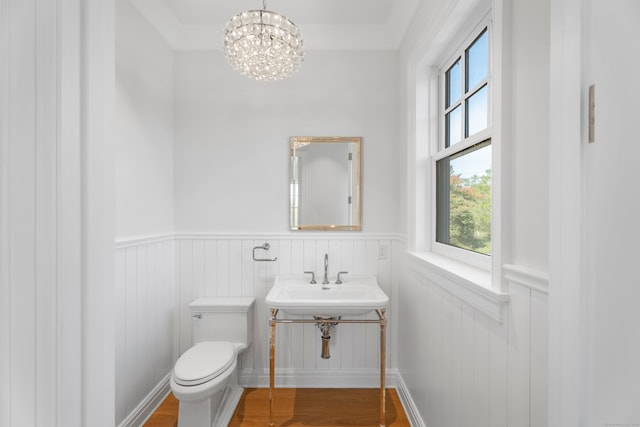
(463, 193)
(453, 84)
(477, 57)
(477, 112)
(453, 126)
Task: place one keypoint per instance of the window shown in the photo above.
(463, 161)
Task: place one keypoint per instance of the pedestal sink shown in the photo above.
(354, 297)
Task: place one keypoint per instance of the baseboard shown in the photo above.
(145, 409)
(407, 403)
(308, 378)
(357, 378)
(288, 378)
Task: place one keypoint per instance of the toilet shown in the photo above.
(204, 379)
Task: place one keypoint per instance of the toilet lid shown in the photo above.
(203, 362)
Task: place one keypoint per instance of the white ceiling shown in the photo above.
(325, 24)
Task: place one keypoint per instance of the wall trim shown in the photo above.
(149, 404)
(319, 235)
(410, 408)
(357, 378)
(144, 240)
(318, 378)
(473, 291)
(530, 278)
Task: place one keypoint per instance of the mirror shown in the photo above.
(326, 183)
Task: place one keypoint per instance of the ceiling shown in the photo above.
(325, 24)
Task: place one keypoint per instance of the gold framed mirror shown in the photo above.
(325, 186)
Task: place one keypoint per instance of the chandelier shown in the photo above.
(263, 45)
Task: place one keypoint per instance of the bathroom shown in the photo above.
(192, 161)
(198, 193)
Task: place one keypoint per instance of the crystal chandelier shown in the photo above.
(263, 45)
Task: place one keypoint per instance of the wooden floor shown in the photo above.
(301, 407)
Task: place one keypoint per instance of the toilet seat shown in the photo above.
(203, 362)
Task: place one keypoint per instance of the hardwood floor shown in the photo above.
(301, 407)
(166, 415)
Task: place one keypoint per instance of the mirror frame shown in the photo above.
(296, 141)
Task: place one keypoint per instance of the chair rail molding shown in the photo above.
(531, 278)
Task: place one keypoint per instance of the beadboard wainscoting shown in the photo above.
(461, 366)
(158, 277)
(146, 344)
(453, 363)
(223, 266)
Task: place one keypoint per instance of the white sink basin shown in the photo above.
(354, 297)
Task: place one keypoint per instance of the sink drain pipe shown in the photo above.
(326, 328)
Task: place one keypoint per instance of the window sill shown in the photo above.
(470, 284)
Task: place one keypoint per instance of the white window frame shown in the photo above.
(437, 145)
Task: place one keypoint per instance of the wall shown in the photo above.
(593, 294)
(144, 286)
(56, 213)
(144, 127)
(223, 266)
(221, 143)
(28, 308)
(480, 361)
(231, 192)
(145, 322)
(611, 321)
(232, 137)
(466, 367)
(528, 164)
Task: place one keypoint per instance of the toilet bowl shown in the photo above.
(204, 379)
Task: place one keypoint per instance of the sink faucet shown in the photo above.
(326, 266)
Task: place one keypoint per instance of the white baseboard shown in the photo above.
(311, 378)
(357, 378)
(145, 409)
(368, 378)
(407, 403)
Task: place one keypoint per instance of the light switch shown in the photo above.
(382, 251)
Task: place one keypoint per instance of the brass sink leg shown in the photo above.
(383, 342)
(272, 362)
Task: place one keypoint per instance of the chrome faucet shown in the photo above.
(313, 277)
(326, 267)
(338, 281)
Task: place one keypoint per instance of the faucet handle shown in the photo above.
(338, 281)
(313, 277)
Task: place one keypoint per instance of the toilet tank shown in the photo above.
(222, 319)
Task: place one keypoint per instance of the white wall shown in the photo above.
(611, 187)
(144, 127)
(145, 286)
(593, 291)
(145, 322)
(479, 363)
(465, 367)
(223, 266)
(232, 179)
(56, 213)
(230, 174)
(528, 117)
(232, 137)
